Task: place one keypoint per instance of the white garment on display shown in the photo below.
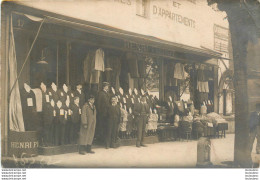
(179, 72)
(99, 60)
(38, 98)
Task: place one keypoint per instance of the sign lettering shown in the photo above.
(177, 18)
(24, 145)
(175, 4)
(148, 49)
(128, 2)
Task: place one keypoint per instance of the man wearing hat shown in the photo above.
(102, 108)
(88, 126)
(141, 112)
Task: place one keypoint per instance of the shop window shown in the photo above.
(142, 8)
(152, 76)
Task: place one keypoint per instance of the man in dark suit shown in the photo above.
(102, 105)
(254, 125)
(141, 112)
(113, 120)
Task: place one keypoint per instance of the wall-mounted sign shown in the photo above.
(221, 39)
(142, 48)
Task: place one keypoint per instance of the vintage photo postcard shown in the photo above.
(130, 84)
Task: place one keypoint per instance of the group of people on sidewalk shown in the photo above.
(105, 114)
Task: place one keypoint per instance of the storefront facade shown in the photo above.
(161, 33)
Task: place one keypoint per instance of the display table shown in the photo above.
(168, 133)
(221, 129)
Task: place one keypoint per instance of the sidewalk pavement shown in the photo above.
(178, 154)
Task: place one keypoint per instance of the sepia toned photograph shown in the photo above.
(130, 84)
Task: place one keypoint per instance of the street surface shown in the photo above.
(177, 154)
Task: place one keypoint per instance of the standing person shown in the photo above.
(76, 115)
(254, 125)
(141, 112)
(114, 115)
(79, 93)
(87, 127)
(102, 106)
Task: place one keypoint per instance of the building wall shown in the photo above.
(181, 21)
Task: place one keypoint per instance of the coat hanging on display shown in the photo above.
(87, 65)
(202, 80)
(132, 64)
(170, 81)
(141, 68)
(99, 60)
(38, 98)
(179, 72)
(92, 66)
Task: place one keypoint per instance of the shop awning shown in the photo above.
(103, 30)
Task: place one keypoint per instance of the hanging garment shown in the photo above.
(99, 60)
(141, 68)
(88, 66)
(95, 75)
(123, 76)
(170, 81)
(38, 97)
(202, 75)
(109, 63)
(132, 64)
(203, 86)
(179, 71)
(131, 81)
(116, 65)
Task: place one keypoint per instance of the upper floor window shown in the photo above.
(142, 8)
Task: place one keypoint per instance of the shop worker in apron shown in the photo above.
(254, 125)
(87, 126)
(141, 112)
